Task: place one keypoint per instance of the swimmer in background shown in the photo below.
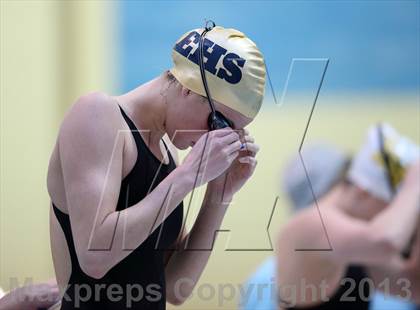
(367, 228)
(324, 175)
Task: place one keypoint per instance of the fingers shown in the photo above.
(233, 147)
(229, 138)
(221, 132)
(224, 136)
(243, 139)
(248, 160)
(251, 147)
(248, 143)
(243, 132)
(244, 145)
(248, 138)
(232, 156)
(235, 142)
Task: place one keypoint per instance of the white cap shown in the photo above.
(325, 165)
(369, 169)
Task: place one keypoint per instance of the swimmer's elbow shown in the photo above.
(363, 245)
(175, 301)
(380, 249)
(386, 244)
(93, 265)
(177, 298)
(179, 291)
(95, 272)
(385, 252)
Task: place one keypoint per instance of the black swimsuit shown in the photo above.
(352, 293)
(138, 281)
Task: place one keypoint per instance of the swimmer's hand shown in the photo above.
(212, 155)
(241, 169)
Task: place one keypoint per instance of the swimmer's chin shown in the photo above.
(181, 146)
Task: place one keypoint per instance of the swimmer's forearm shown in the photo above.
(188, 262)
(399, 221)
(123, 231)
(156, 206)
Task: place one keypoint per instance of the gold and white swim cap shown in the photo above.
(235, 68)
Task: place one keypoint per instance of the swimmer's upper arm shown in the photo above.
(355, 241)
(177, 245)
(350, 240)
(91, 158)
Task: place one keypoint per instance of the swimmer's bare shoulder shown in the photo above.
(89, 138)
(92, 116)
(90, 108)
(302, 232)
(300, 235)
